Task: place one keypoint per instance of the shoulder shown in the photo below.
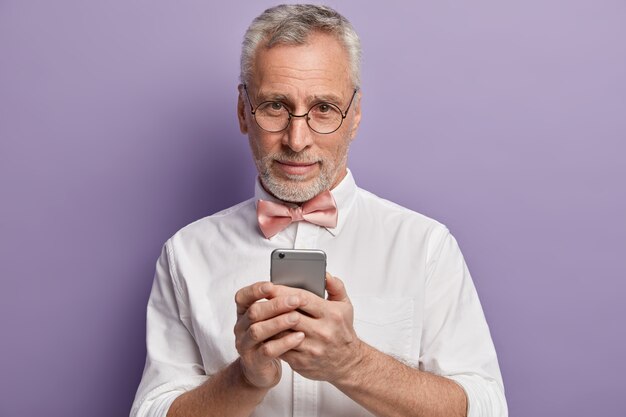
(401, 224)
(234, 220)
(394, 214)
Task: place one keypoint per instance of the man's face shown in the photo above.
(297, 163)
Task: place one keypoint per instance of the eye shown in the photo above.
(325, 111)
(272, 108)
(324, 108)
(276, 106)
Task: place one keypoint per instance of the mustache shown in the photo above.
(291, 156)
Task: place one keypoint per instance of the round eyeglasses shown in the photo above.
(274, 116)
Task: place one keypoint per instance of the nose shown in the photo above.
(298, 135)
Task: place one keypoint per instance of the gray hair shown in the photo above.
(291, 24)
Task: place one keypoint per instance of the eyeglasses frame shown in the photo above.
(291, 115)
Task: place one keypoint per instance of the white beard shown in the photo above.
(292, 189)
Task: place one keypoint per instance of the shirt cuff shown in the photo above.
(158, 401)
(485, 397)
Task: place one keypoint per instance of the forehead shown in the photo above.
(320, 66)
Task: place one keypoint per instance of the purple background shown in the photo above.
(504, 120)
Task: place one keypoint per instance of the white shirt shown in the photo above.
(412, 294)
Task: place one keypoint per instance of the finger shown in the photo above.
(310, 303)
(310, 326)
(249, 295)
(316, 307)
(282, 290)
(336, 289)
(262, 311)
(261, 332)
(299, 352)
(273, 349)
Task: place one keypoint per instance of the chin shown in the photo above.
(294, 190)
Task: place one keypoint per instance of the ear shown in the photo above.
(241, 111)
(357, 115)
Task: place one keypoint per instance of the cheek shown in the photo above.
(263, 145)
(338, 151)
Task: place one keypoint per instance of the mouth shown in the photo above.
(296, 168)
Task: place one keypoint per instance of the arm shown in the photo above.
(332, 352)
(261, 337)
(174, 382)
(455, 343)
(173, 361)
(226, 393)
(387, 387)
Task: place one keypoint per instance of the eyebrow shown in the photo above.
(272, 97)
(316, 98)
(329, 98)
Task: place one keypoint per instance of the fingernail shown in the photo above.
(292, 317)
(265, 288)
(299, 336)
(293, 300)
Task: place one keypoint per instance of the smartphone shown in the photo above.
(300, 268)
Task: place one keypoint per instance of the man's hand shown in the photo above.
(262, 330)
(330, 348)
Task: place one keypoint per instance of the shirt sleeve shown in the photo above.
(456, 342)
(173, 361)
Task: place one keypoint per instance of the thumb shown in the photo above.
(335, 288)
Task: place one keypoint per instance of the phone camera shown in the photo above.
(281, 255)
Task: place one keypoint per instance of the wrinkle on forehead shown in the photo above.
(318, 67)
(317, 71)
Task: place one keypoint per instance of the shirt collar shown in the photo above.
(344, 194)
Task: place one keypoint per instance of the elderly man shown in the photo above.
(402, 335)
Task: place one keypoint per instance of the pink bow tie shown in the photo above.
(274, 217)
